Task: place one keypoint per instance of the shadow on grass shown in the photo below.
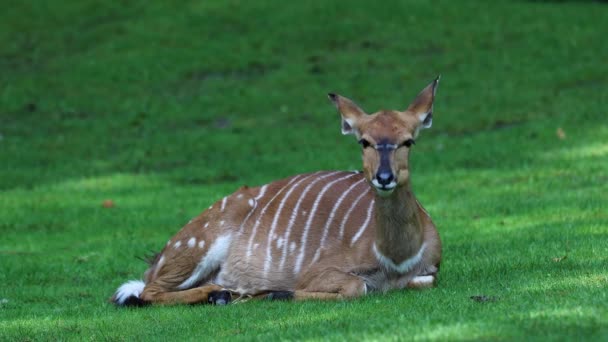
(433, 316)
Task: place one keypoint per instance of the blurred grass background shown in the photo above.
(164, 107)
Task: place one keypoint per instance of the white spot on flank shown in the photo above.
(365, 224)
(256, 246)
(303, 212)
(223, 205)
(222, 223)
(239, 196)
(128, 289)
(251, 202)
(292, 247)
(331, 218)
(201, 244)
(405, 266)
(191, 242)
(294, 213)
(273, 227)
(210, 262)
(177, 244)
(206, 225)
(313, 211)
(279, 242)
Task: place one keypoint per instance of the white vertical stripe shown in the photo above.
(350, 210)
(160, 263)
(253, 203)
(262, 212)
(365, 224)
(331, 218)
(262, 192)
(223, 205)
(294, 215)
(251, 211)
(273, 227)
(313, 211)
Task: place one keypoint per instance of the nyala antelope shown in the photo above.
(322, 235)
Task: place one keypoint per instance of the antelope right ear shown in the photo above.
(350, 112)
(422, 106)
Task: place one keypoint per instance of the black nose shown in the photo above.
(384, 177)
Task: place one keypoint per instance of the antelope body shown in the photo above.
(323, 235)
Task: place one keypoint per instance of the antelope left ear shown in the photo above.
(350, 113)
(422, 106)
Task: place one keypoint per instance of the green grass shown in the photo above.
(163, 108)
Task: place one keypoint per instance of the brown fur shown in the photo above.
(312, 261)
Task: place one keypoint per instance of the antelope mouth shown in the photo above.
(384, 190)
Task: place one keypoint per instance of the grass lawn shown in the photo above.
(164, 108)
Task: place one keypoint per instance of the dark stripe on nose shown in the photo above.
(384, 176)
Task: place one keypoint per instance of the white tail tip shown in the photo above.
(129, 292)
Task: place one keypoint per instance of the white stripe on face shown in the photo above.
(313, 211)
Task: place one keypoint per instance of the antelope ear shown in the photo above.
(422, 106)
(350, 112)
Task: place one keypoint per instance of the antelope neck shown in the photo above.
(399, 231)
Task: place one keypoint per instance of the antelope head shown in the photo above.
(387, 136)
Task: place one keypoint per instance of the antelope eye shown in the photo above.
(408, 143)
(364, 143)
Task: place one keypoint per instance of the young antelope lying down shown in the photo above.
(322, 235)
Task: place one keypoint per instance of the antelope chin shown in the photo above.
(384, 192)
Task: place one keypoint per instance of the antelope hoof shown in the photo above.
(280, 295)
(219, 297)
